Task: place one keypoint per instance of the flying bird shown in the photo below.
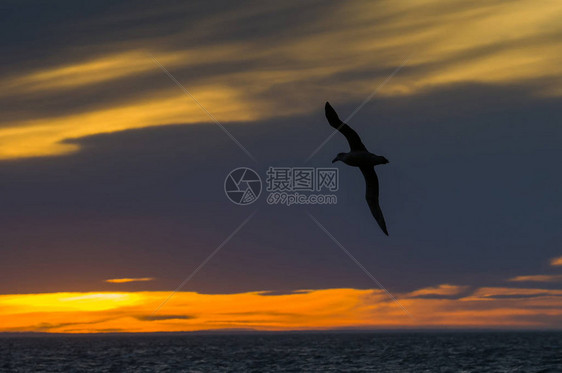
(359, 156)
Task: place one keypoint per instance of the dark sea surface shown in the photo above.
(292, 352)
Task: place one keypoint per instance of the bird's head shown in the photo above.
(382, 160)
(339, 157)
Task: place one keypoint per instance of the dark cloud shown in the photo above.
(283, 292)
(163, 317)
(45, 326)
(521, 296)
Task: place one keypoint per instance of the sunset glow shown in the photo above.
(306, 310)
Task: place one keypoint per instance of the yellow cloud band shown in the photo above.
(503, 43)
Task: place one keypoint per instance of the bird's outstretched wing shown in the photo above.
(372, 195)
(351, 136)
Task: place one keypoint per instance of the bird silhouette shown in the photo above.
(359, 156)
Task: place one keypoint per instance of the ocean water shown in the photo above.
(295, 352)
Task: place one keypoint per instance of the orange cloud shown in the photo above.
(105, 68)
(441, 290)
(556, 261)
(303, 310)
(491, 293)
(45, 136)
(123, 280)
(537, 278)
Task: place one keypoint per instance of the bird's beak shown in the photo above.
(335, 160)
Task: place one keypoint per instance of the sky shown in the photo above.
(112, 175)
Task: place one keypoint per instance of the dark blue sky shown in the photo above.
(471, 195)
